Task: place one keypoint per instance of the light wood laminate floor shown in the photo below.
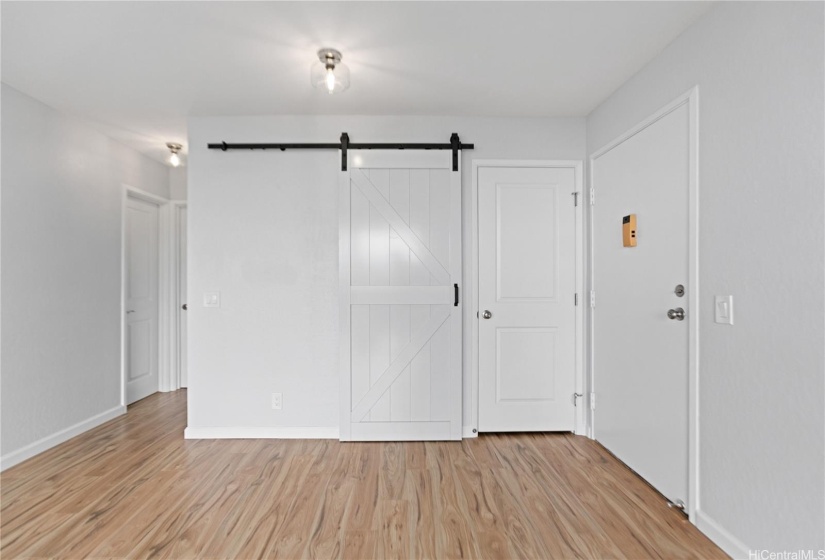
(135, 488)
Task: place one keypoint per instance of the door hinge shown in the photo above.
(575, 299)
(575, 198)
(592, 401)
(592, 298)
(592, 196)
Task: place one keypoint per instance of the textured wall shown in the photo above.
(61, 258)
(263, 229)
(760, 71)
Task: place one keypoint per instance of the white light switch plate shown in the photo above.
(723, 309)
(211, 299)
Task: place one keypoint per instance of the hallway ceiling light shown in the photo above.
(329, 72)
(174, 159)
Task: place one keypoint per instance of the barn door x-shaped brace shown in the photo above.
(455, 145)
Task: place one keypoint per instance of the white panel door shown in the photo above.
(141, 299)
(182, 275)
(401, 327)
(527, 276)
(640, 355)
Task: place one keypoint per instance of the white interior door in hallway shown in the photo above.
(400, 242)
(141, 290)
(642, 314)
(527, 290)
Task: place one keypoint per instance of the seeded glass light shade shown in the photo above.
(329, 73)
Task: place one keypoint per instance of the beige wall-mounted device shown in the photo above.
(629, 230)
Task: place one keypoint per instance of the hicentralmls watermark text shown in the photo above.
(786, 555)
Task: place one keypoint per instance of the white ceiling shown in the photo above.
(138, 69)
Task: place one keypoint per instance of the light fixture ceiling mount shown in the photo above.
(329, 72)
(174, 159)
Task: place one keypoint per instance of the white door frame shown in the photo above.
(167, 253)
(691, 99)
(577, 167)
(175, 279)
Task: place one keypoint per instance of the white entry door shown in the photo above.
(141, 299)
(400, 266)
(527, 320)
(640, 359)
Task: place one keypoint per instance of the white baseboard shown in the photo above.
(41, 445)
(719, 535)
(194, 432)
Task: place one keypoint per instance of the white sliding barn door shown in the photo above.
(400, 259)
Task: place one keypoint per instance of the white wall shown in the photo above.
(760, 71)
(177, 183)
(61, 278)
(263, 230)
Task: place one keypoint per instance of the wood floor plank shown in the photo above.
(273, 511)
(292, 538)
(555, 533)
(394, 530)
(364, 466)
(187, 504)
(361, 544)
(579, 523)
(521, 530)
(267, 473)
(419, 492)
(416, 454)
(453, 535)
(485, 520)
(391, 470)
(327, 538)
(134, 488)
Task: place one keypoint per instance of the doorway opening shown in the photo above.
(153, 294)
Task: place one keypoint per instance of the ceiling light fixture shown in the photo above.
(329, 72)
(174, 159)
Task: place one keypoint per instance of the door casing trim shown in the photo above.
(176, 350)
(577, 166)
(691, 99)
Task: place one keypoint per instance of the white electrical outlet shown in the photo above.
(277, 401)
